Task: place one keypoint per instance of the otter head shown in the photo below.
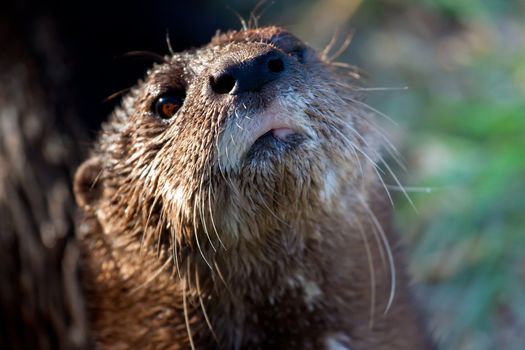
(238, 142)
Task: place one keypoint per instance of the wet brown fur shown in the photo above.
(187, 243)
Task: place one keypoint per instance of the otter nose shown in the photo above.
(249, 75)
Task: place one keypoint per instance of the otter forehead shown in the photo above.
(237, 43)
(270, 35)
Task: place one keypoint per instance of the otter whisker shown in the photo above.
(391, 172)
(391, 149)
(228, 177)
(221, 171)
(351, 144)
(390, 255)
(346, 43)
(380, 233)
(221, 277)
(271, 211)
(117, 94)
(354, 71)
(175, 253)
(146, 225)
(326, 51)
(196, 234)
(186, 316)
(157, 232)
(225, 177)
(353, 148)
(372, 273)
(345, 66)
(152, 277)
(412, 189)
(376, 169)
(375, 110)
(155, 57)
(254, 17)
(240, 127)
(203, 308)
(241, 19)
(168, 43)
(386, 88)
(201, 211)
(405, 193)
(210, 189)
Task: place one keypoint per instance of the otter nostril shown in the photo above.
(223, 84)
(276, 65)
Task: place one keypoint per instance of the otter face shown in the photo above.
(239, 138)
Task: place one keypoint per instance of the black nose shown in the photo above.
(249, 75)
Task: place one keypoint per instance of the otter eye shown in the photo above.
(166, 106)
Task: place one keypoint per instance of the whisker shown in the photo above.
(393, 88)
(271, 211)
(324, 53)
(196, 234)
(225, 177)
(376, 169)
(155, 57)
(346, 43)
(175, 253)
(240, 127)
(353, 148)
(152, 277)
(150, 212)
(411, 189)
(390, 255)
(201, 212)
(375, 166)
(186, 317)
(372, 274)
(117, 94)
(221, 276)
(254, 18)
(201, 302)
(168, 43)
(211, 218)
(399, 184)
(390, 148)
(378, 112)
(239, 17)
(355, 72)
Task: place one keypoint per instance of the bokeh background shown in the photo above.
(449, 73)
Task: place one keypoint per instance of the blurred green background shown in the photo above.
(461, 131)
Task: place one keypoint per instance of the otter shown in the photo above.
(233, 201)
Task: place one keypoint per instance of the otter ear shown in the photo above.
(87, 188)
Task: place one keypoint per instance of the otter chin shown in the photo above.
(233, 201)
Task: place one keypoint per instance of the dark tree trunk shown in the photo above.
(41, 305)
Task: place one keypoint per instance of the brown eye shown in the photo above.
(166, 106)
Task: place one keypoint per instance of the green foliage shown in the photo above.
(467, 143)
(470, 250)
